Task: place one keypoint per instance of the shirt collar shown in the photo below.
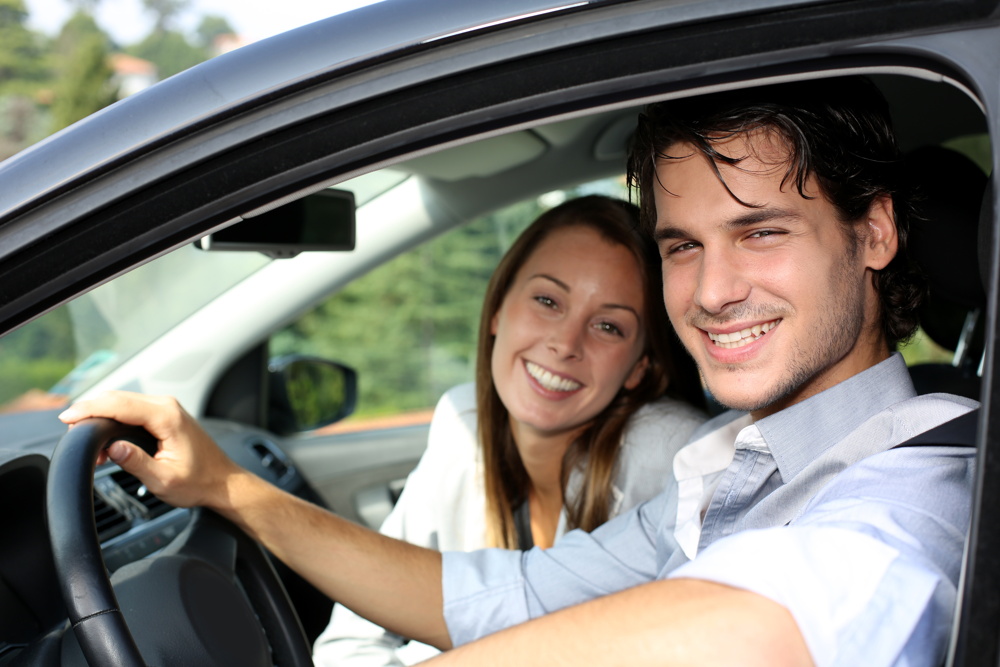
(798, 434)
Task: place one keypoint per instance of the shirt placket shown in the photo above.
(745, 481)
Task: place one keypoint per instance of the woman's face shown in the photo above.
(569, 332)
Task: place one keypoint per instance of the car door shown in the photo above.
(479, 81)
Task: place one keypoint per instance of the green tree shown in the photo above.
(85, 82)
(169, 51)
(24, 73)
(85, 6)
(77, 29)
(37, 355)
(22, 62)
(211, 27)
(166, 11)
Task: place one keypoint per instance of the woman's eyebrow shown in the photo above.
(546, 276)
(567, 288)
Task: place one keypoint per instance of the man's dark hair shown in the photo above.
(837, 129)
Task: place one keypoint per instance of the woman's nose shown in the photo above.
(566, 339)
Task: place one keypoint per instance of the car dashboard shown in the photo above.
(131, 523)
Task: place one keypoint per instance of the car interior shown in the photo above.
(358, 473)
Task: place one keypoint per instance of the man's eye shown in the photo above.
(681, 247)
(763, 233)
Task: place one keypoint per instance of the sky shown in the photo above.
(127, 21)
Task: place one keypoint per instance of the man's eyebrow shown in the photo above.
(752, 217)
(617, 306)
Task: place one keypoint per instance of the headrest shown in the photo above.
(944, 239)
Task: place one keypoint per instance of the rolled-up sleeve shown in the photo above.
(487, 591)
(870, 569)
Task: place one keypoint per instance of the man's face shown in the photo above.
(775, 302)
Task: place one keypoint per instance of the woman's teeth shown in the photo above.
(741, 338)
(549, 380)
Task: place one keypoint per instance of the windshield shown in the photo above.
(58, 356)
(62, 353)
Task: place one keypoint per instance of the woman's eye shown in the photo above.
(546, 301)
(608, 327)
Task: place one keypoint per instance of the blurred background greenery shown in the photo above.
(50, 81)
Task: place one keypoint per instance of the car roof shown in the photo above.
(297, 59)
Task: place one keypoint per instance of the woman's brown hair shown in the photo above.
(506, 480)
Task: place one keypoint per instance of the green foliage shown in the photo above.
(37, 355)
(211, 27)
(169, 51)
(409, 327)
(316, 392)
(22, 122)
(977, 147)
(22, 62)
(921, 350)
(85, 82)
(165, 11)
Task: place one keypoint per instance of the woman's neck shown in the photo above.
(542, 457)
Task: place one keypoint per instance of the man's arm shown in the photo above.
(665, 623)
(393, 583)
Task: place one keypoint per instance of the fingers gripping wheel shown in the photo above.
(183, 606)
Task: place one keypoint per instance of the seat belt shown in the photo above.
(957, 432)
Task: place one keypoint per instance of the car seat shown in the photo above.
(944, 242)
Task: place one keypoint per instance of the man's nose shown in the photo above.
(722, 281)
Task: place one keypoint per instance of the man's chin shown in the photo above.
(741, 403)
(745, 400)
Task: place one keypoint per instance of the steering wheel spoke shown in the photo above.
(207, 537)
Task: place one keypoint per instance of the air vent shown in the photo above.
(137, 490)
(110, 522)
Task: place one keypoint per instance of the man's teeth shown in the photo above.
(741, 338)
(550, 381)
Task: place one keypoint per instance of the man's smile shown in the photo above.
(743, 337)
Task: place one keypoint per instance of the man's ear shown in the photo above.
(636, 374)
(881, 241)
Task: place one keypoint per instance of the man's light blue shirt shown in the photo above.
(810, 507)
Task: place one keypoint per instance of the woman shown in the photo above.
(566, 426)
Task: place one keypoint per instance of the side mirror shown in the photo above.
(307, 393)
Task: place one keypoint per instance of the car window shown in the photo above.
(409, 327)
(64, 352)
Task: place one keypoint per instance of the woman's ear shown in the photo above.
(637, 373)
(493, 323)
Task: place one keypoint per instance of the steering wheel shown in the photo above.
(211, 597)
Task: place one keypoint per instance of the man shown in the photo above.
(792, 532)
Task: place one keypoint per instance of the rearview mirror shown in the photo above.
(307, 393)
(322, 221)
